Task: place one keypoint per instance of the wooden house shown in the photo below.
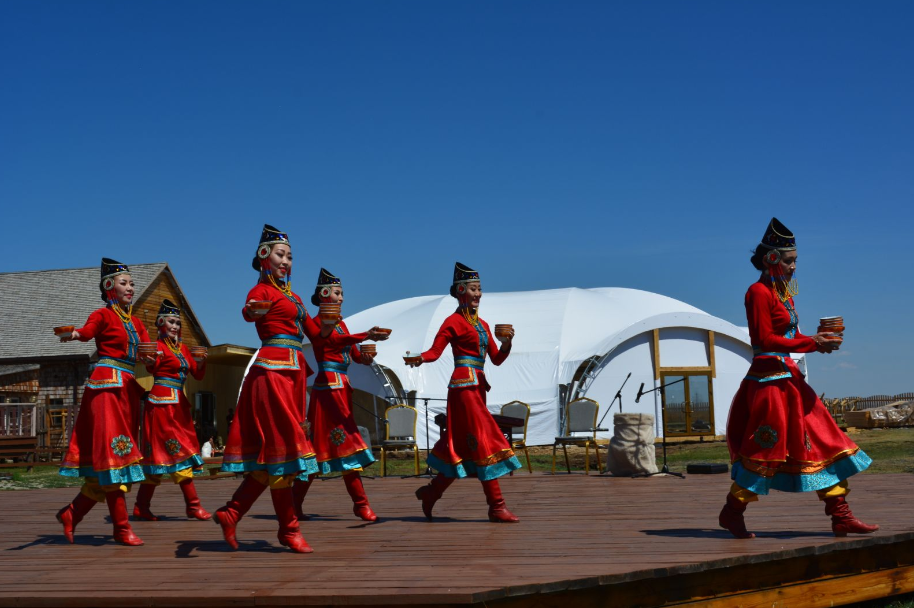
(42, 380)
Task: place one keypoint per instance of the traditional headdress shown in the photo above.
(326, 282)
(463, 274)
(270, 236)
(778, 239)
(167, 309)
(110, 269)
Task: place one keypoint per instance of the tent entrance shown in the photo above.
(688, 406)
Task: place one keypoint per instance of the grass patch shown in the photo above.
(892, 451)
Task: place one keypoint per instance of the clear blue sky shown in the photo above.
(547, 144)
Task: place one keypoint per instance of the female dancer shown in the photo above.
(779, 434)
(472, 445)
(267, 438)
(103, 447)
(170, 445)
(332, 427)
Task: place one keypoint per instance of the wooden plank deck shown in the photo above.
(588, 540)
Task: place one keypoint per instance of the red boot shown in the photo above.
(356, 490)
(143, 501)
(498, 512)
(117, 506)
(241, 502)
(430, 494)
(842, 520)
(299, 491)
(193, 508)
(731, 518)
(289, 534)
(73, 513)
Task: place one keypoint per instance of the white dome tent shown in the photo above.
(570, 343)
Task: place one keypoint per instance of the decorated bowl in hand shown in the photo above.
(64, 331)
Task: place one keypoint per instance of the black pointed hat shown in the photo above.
(168, 309)
(326, 279)
(269, 237)
(777, 236)
(464, 274)
(112, 268)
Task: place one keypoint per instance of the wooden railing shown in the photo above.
(837, 406)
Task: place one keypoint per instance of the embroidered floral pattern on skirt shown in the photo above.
(173, 447)
(122, 445)
(765, 436)
(472, 442)
(338, 436)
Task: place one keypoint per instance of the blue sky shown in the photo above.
(547, 144)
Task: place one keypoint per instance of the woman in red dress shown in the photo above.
(331, 425)
(267, 439)
(103, 447)
(779, 433)
(472, 444)
(170, 445)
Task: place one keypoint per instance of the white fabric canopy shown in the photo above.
(557, 330)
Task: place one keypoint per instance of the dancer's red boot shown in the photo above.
(193, 508)
(73, 513)
(360, 506)
(731, 518)
(289, 533)
(498, 512)
(430, 494)
(117, 506)
(843, 521)
(299, 491)
(143, 502)
(241, 502)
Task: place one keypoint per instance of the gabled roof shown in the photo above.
(33, 303)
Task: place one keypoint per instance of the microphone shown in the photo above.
(640, 392)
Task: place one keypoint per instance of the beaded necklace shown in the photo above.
(125, 315)
(173, 345)
(285, 288)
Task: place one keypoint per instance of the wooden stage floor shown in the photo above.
(583, 541)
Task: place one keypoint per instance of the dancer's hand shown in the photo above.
(377, 336)
(71, 337)
(825, 343)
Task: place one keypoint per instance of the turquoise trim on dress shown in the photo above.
(833, 474)
(130, 474)
(333, 366)
(293, 467)
(358, 460)
(468, 468)
(162, 469)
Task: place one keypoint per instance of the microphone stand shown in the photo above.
(665, 470)
(608, 410)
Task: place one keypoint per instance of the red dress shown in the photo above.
(779, 433)
(170, 443)
(103, 444)
(267, 433)
(335, 435)
(472, 445)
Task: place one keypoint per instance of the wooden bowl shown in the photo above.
(197, 352)
(260, 305)
(412, 359)
(64, 331)
(383, 330)
(369, 349)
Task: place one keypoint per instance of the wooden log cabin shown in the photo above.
(42, 380)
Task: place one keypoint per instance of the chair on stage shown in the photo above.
(580, 417)
(400, 433)
(519, 409)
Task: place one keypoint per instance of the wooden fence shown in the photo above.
(837, 406)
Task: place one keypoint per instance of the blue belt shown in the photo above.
(283, 341)
(169, 382)
(124, 365)
(333, 366)
(468, 361)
